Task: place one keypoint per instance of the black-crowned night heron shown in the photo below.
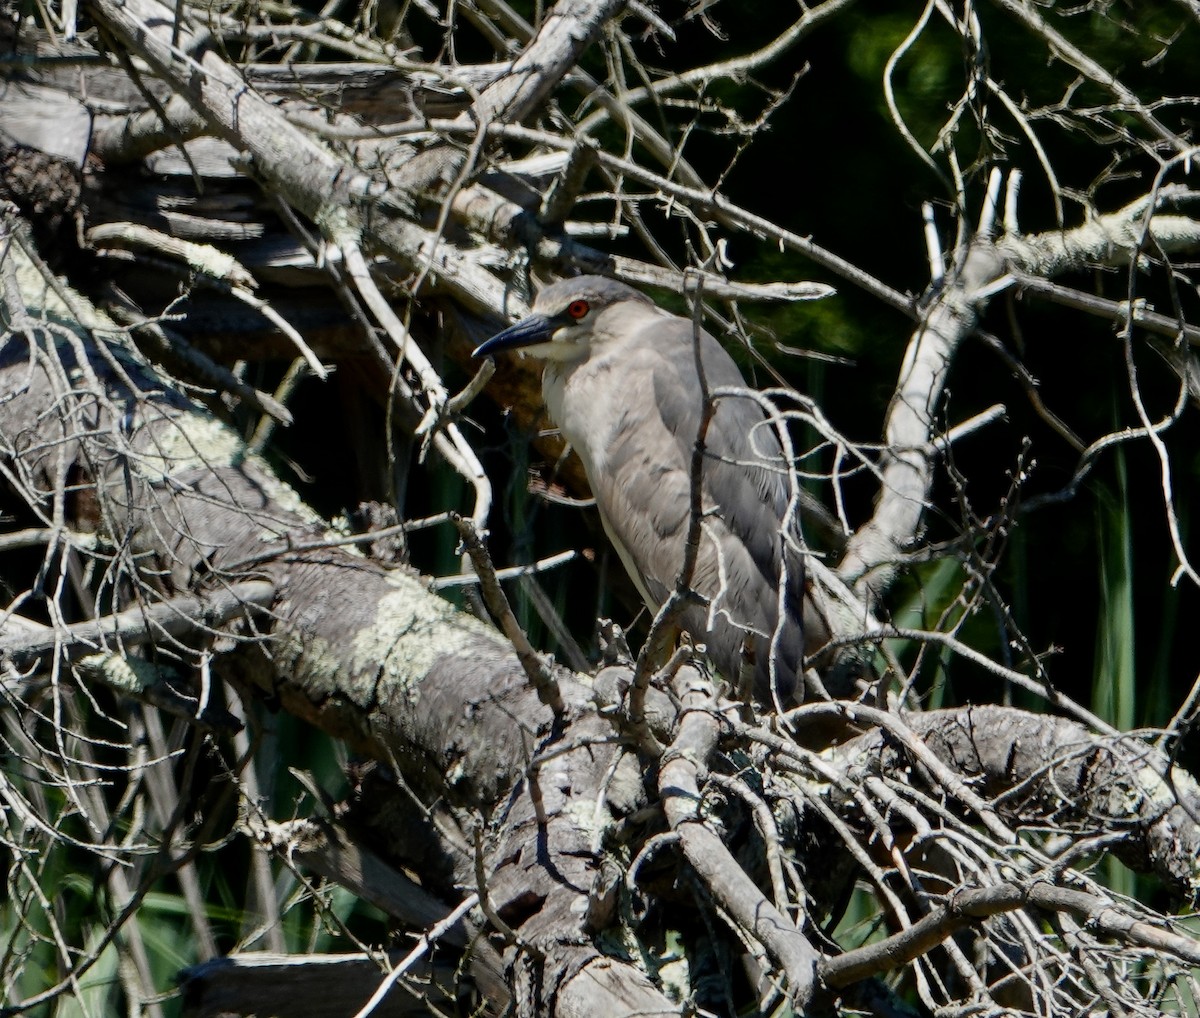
(621, 383)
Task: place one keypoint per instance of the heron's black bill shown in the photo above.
(527, 332)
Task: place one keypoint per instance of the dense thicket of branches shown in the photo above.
(282, 567)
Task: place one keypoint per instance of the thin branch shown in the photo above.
(177, 616)
(507, 573)
(541, 678)
(426, 941)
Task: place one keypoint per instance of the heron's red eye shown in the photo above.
(578, 308)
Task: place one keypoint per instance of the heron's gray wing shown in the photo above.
(644, 494)
(744, 474)
(641, 487)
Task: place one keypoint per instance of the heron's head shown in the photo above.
(568, 317)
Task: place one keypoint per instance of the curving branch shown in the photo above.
(967, 906)
(990, 267)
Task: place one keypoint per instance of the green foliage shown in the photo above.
(933, 602)
(1115, 683)
(164, 926)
